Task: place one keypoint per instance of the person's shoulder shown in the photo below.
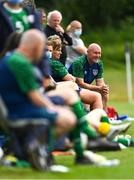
(48, 28)
(100, 62)
(80, 60)
(49, 31)
(19, 59)
(55, 62)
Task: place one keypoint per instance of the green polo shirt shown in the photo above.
(89, 72)
(23, 72)
(59, 71)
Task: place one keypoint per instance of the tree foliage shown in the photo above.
(92, 13)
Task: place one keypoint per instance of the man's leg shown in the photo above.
(99, 120)
(92, 98)
(105, 99)
(71, 98)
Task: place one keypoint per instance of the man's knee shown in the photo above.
(65, 122)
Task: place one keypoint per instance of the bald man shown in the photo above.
(89, 68)
(26, 106)
(74, 30)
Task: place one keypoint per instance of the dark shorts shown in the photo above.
(57, 100)
(35, 116)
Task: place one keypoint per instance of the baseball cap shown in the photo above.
(15, 1)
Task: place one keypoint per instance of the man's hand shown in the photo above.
(59, 29)
(105, 89)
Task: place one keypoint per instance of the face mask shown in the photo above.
(78, 32)
(49, 54)
(15, 1)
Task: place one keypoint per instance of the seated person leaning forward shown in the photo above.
(88, 68)
(27, 109)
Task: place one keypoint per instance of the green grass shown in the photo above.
(124, 171)
(115, 77)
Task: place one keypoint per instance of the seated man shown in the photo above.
(26, 106)
(88, 68)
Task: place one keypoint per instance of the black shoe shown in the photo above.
(101, 144)
(83, 160)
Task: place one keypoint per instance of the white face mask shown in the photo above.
(49, 54)
(78, 32)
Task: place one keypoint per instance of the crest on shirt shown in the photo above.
(95, 72)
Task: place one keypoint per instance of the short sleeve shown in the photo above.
(58, 69)
(75, 43)
(100, 73)
(78, 42)
(77, 69)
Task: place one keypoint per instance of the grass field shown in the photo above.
(118, 98)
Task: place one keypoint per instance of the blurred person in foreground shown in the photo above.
(15, 17)
(31, 114)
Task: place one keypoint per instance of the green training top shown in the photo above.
(59, 71)
(89, 72)
(19, 19)
(23, 71)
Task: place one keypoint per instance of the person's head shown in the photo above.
(12, 43)
(56, 44)
(29, 3)
(54, 18)
(13, 3)
(93, 52)
(32, 44)
(42, 15)
(75, 27)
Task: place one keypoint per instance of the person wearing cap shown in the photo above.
(15, 17)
